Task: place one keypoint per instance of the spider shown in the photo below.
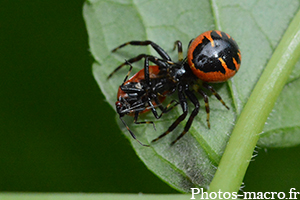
(212, 57)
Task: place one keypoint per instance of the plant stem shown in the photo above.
(238, 153)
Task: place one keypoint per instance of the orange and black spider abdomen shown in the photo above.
(214, 56)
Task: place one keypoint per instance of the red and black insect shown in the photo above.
(212, 57)
(135, 96)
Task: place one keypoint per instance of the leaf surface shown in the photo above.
(257, 27)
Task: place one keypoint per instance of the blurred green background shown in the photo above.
(57, 133)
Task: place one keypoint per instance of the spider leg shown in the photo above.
(129, 71)
(194, 113)
(179, 47)
(155, 46)
(214, 93)
(184, 106)
(161, 63)
(168, 108)
(205, 98)
(132, 134)
(143, 122)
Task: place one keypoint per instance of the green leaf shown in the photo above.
(257, 26)
(283, 125)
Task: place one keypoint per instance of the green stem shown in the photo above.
(238, 153)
